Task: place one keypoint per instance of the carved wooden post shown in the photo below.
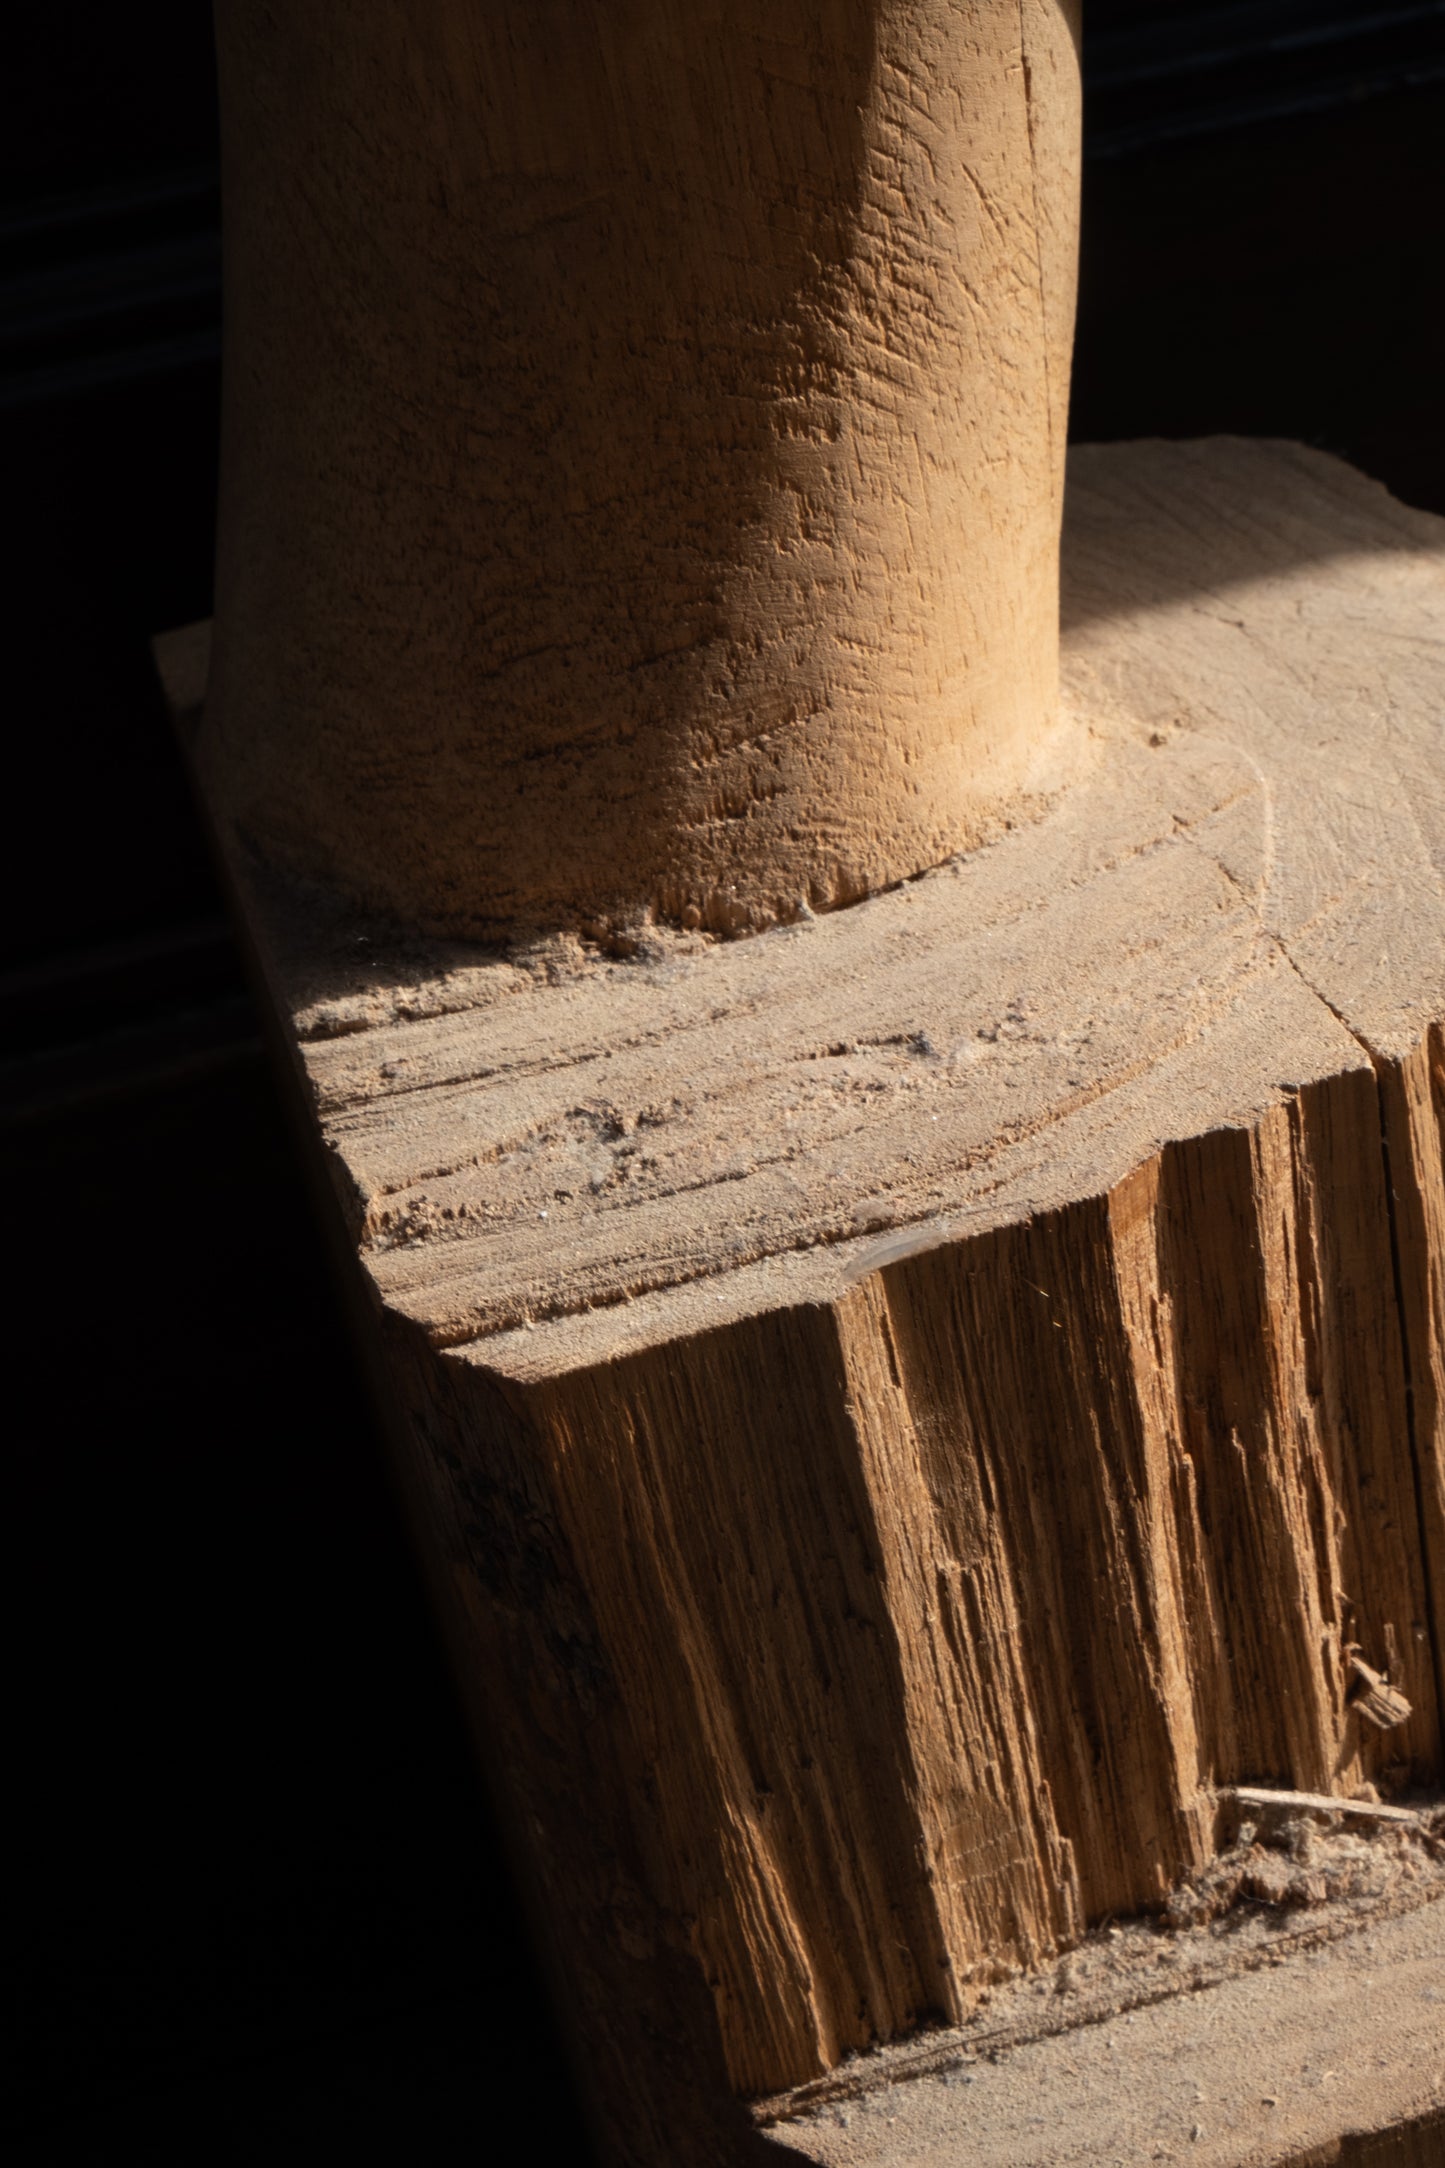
(643, 448)
(904, 1408)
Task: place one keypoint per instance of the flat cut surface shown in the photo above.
(1263, 2068)
(553, 1158)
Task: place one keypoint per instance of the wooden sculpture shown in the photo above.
(907, 1407)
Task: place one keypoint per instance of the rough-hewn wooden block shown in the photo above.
(906, 1406)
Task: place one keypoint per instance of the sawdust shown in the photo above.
(1290, 1860)
(1290, 1882)
(1312, 2056)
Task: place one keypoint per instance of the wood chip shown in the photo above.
(1258, 1796)
(1375, 1699)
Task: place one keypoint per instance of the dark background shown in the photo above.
(255, 1910)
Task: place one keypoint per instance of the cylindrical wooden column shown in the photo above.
(643, 447)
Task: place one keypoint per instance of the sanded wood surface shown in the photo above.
(910, 1404)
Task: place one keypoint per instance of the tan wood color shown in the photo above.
(1314, 2056)
(906, 1406)
(643, 447)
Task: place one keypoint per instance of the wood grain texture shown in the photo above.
(1413, 1099)
(919, 1400)
(643, 447)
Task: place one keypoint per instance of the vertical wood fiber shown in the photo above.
(932, 1618)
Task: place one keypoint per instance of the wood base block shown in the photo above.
(905, 1408)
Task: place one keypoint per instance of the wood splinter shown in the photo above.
(1279, 1802)
(890, 1403)
(1375, 1699)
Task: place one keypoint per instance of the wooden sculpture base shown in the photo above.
(905, 1408)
